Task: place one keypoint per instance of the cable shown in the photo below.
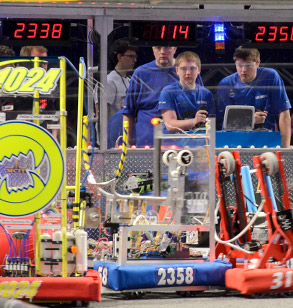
(228, 242)
(75, 70)
(12, 248)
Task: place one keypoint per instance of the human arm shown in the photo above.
(175, 125)
(279, 104)
(285, 128)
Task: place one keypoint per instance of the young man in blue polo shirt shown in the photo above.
(185, 104)
(256, 86)
(144, 90)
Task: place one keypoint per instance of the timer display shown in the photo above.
(35, 30)
(270, 32)
(163, 33)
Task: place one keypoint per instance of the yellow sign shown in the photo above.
(19, 289)
(22, 80)
(31, 168)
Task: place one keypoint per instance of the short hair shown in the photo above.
(187, 56)
(6, 51)
(120, 47)
(26, 51)
(246, 54)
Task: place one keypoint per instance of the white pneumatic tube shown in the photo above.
(81, 255)
(46, 243)
(70, 256)
(57, 253)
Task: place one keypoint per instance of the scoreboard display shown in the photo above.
(269, 33)
(33, 31)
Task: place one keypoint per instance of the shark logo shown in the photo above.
(19, 172)
(31, 168)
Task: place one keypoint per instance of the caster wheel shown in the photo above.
(185, 158)
(167, 157)
(134, 295)
(270, 163)
(226, 159)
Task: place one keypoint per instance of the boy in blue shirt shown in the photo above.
(256, 86)
(144, 90)
(185, 104)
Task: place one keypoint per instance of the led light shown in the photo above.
(155, 121)
(133, 146)
(220, 46)
(219, 28)
(147, 147)
(219, 37)
(219, 32)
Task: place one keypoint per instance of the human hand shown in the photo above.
(201, 116)
(260, 117)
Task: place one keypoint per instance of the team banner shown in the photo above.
(252, 281)
(31, 168)
(86, 288)
(24, 81)
(129, 277)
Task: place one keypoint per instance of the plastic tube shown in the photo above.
(45, 250)
(81, 255)
(248, 189)
(70, 256)
(57, 254)
(271, 192)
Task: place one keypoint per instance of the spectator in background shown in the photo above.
(256, 86)
(34, 51)
(7, 101)
(5, 51)
(144, 90)
(123, 57)
(184, 104)
(47, 105)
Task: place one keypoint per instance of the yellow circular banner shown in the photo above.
(31, 168)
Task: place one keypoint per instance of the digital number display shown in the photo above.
(162, 33)
(35, 30)
(270, 32)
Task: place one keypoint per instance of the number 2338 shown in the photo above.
(22, 80)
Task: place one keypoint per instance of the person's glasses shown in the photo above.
(130, 56)
(192, 69)
(161, 47)
(246, 65)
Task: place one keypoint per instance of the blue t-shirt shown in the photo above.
(186, 102)
(266, 92)
(142, 98)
